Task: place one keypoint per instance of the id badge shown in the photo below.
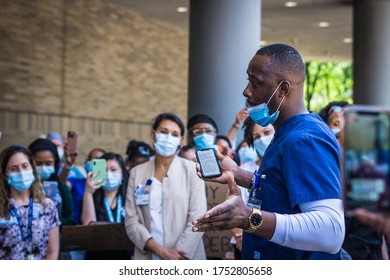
(254, 203)
(142, 199)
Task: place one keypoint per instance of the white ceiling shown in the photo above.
(297, 26)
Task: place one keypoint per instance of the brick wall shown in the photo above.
(88, 66)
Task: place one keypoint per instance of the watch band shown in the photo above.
(255, 220)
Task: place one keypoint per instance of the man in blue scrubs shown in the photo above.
(294, 210)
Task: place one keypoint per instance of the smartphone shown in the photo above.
(209, 165)
(99, 167)
(366, 162)
(72, 141)
(51, 189)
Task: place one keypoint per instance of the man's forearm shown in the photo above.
(242, 177)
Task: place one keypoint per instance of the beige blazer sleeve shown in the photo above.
(189, 241)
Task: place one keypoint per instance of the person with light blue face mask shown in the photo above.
(106, 202)
(45, 172)
(164, 195)
(113, 180)
(202, 131)
(48, 163)
(297, 185)
(203, 135)
(111, 192)
(260, 113)
(247, 154)
(21, 181)
(29, 221)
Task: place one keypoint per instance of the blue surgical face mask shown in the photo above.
(45, 171)
(260, 113)
(261, 144)
(336, 131)
(204, 141)
(21, 181)
(113, 181)
(88, 166)
(166, 144)
(247, 154)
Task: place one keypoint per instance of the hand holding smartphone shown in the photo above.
(209, 165)
(72, 142)
(51, 189)
(99, 168)
(366, 166)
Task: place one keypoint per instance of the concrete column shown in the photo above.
(224, 36)
(371, 52)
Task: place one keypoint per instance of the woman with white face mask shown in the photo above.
(164, 195)
(29, 224)
(106, 202)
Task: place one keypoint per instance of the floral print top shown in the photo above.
(13, 247)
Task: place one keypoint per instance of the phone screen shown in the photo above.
(51, 189)
(366, 160)
(209, 166)
(72, 141)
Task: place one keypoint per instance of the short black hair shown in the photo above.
(185, 149)
(201, 118)
(171, 117)
(284, 60)
(324, 112)
(223, 137)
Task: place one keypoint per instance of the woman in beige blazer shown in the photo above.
(163, 197)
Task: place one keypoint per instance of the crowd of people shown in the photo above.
(284, 180)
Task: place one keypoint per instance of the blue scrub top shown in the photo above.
(301, 164)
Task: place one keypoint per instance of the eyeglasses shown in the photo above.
(199, 131)
(335, 109)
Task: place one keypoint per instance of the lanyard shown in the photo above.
(15, 213)
(118, 209)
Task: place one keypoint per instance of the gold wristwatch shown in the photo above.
(255, 220)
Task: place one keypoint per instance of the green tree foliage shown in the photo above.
(326, 82)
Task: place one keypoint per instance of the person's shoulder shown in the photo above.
(307, 126)
(183, 162)
(144, 165)
(141, 169)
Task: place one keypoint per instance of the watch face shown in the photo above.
(255, 219)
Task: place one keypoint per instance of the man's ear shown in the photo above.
(284, 88)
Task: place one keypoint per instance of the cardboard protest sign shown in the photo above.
(217, 243)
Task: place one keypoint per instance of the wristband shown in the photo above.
(236, 125)
(255, 180)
